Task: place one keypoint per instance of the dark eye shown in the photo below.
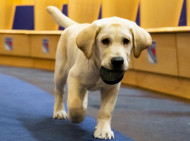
(125, 41)
(106, 41)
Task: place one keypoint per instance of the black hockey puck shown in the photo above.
(111, 77)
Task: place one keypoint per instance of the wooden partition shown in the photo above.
(27, 2)
(7, 8)
(160, 13)
(188, 11)
(84, 11)
(183, 44)
(121, 8)
(43, 20)
(7, 11)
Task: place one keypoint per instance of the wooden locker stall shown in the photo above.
(84, 11)
(43, 20)
(122, 8)
(7, 8)
(27, 2)
(160, 13)
(188, 12)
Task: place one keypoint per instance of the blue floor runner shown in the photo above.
(26, 115)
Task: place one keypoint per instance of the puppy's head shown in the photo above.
(114, 38)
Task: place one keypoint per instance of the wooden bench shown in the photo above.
(32, 49)
(170, 74)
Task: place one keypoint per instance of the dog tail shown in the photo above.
(59, 17)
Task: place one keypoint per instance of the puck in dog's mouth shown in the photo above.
(111, 77)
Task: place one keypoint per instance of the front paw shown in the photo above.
(103, 133)
(60, 114)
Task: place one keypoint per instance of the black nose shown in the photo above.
(117, 61)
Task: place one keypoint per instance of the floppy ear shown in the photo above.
(86, 39)
(141, 39)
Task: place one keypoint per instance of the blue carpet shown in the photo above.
(26, 115)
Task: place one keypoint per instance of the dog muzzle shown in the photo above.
(111, 77)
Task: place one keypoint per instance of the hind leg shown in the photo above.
(60, 78)
(59, 109)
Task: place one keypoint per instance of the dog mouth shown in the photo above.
(111, 77)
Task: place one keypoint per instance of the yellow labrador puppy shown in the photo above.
(82, 51)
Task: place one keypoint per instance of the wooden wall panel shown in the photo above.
(16, 61)
(84, 11)
(131, 64)
(48, 64)
(121, 8)
(183, 48)
(43, 20)
(20, 44)
(130, 78)
(7, 8)
(160, 13)
(166, 56)
(188, 12)
(27, 62)
(36, 46)
(163, 83)
(27, 2)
